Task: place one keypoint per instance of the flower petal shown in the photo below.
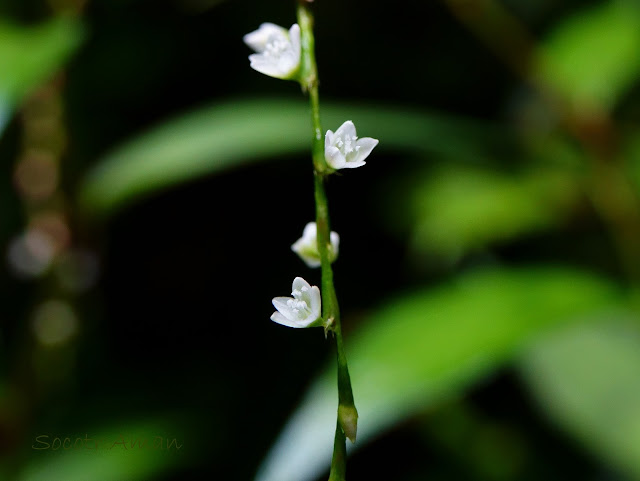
(310, 231)
(311, 261)
(353, 164)
(257, 40)
(307, 246)
(280, 303)
(298, 246)
(265, 65)
(366, 145)
(334, 157)
(310, 258)
(294, 38)
(345, 129)
(316, 303)
(299, 283)
(307, 253)
(328, 139)
(335, 242)
(280, 319)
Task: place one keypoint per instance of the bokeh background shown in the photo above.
(152, 185)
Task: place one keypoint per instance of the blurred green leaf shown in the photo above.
(587, 378)
(5, 113)
(112, 460)
(631, 156)
(592, 58)
(458, 209)
(490, 448)
(230, 134)
(428, 345)
(28, 55)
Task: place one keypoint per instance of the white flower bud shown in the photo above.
(307, 246)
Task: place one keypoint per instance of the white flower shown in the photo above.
(343, 150)
(301, 310)
(278, 50)
(307, 246)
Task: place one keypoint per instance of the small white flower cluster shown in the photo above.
(278, 54)
(303, 309)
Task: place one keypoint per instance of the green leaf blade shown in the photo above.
(587, 379)
(592, 58)
(28, 55)
(428, 345)
(232, 134)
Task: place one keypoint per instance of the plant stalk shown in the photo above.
(346, 425)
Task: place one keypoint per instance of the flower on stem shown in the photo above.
(277, 50)
(343, 149)
(307, 246)
(301, 310)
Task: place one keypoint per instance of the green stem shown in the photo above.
(347, 413)
(339, 459)
(331, 310)
(309, 82)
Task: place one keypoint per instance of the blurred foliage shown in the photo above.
(227, 135)
(188, 176)
(128, 452)
(586, 378)
(592, 57)
(426, 346)
(446, 226)
(28, 56)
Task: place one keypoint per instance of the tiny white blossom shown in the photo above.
(343, 150)
(277, 50)
(307, 246)
(301, 310)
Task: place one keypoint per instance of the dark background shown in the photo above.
(177, 324)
